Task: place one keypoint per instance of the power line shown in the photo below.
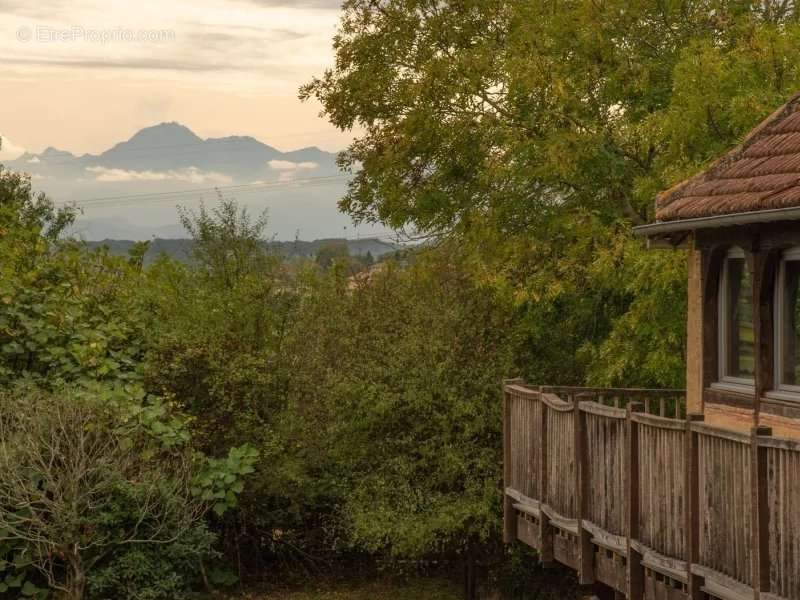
(189, 197)
(241, 188)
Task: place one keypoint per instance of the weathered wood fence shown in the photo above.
(628, 490)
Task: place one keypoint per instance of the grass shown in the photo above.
(420, 589)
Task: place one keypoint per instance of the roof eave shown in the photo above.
(747, 218)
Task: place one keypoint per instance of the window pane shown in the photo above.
(740, 348)
(790, 337)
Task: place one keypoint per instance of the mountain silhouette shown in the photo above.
(132, 189)
(173, 147)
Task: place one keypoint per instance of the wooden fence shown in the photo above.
(627, 489)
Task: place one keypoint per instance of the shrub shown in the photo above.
(86, 486)
(154, 571)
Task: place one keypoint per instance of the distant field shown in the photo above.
(415, 590)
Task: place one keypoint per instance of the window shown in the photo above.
(787, 323)
(736, 340)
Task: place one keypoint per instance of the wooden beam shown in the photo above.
(509, 514)
(710, 264)
(586, 574)
(761, 316)
(546, 532)
(691, 486)
(635, 571)
(695, 333)
(760, 522)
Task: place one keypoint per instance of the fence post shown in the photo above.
(691, 485)
(546, 540)
(509, 514)
(635, 574)
(760, 502)
(586, 574)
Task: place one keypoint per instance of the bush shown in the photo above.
(88, 487)
(154, 572)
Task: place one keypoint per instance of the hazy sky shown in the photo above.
(83, 74)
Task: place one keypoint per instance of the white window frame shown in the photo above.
(782, 390)
(743, 385)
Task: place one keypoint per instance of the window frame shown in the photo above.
(745, 385)
(782, 391)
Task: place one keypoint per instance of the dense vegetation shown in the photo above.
(179, 427)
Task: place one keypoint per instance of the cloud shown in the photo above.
(321, 4)
(9, 150)
(253, 40)
(133, 63)
(287, 165)
(289, 169)
(33, 9)
(33, 161)
(190, 175)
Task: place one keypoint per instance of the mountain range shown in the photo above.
(131, 190)
(180, 249)
(167, 151)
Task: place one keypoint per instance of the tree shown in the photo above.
(331, 252)
(399, 393)
(62, 313)
(507, 111)
(538, 131)
(23, 210)
(82, 481)
(227, 243)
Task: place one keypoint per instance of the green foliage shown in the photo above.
(228, 244)
(538, 127)
(28, 217)
(215, 331)
(126, 523)
(505, 110)
(163, 572)
(646, 346)
(81, 483)
(332, 252)
(401, 387)
(62, 315)
(222, 480)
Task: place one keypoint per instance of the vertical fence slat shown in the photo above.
(509, 516)
(546, 533)
(693, 482)
(760, 506)
(586, 550)
(726, 507)
(662, 490)
(783, 505)
(635, 575)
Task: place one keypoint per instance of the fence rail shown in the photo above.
(627, 489)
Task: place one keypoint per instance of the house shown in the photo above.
(692, 493)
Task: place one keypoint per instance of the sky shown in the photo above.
(81, 75)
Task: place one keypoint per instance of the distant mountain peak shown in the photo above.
(51, 152)
(163, 134)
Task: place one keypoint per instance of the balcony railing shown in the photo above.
(629, 491)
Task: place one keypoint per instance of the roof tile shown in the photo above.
(762, 173)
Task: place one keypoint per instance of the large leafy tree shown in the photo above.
(475, 109)
(538, 131)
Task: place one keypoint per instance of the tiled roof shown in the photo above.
(762, 173)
